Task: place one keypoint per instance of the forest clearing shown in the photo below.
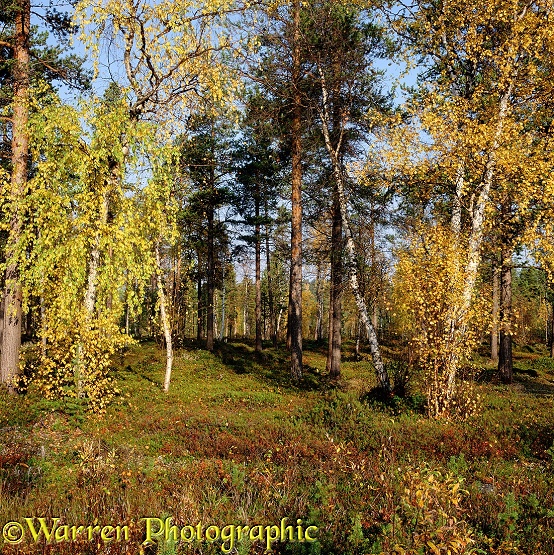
(277, 276)
(236, 442)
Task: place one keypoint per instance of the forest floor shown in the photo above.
(236, 443)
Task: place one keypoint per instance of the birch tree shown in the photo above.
(483, 62)
(171, 55)
(340, 51)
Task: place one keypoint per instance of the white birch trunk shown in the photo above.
(458, 322)
(383, 380)
(456, 221)
(165, 322)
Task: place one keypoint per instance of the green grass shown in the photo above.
(235, 442)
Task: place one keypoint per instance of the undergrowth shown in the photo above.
(236, 443)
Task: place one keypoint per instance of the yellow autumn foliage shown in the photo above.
(429, 282)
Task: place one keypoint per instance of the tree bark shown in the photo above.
(270, 298)
(318, 333)
(458, 324)
(210, 280)
(495, 313)
(295, 300)
(199, 319)
(258, 246)
(245, 310)
(222, 329)
(165, 322)
(383, 380)
(335, 292)
(456, 221)
(13, 295)
(505, 362)
(552, 332)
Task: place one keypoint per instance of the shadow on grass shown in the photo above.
(527, 378)
(538, 389)
(270, 366)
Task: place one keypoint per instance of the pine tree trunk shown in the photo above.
(495, 313)
(210, 282)
(318, 334)
(222, 329)
(335, 293)
(552, 333)
(505, 362)
(270, 298)
(258, 246)
(11, 337)
(295, 301)
(245, 311)
(199, 309)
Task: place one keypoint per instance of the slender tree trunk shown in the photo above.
(318, 335)
(552, 333)
(505, 362)
(222, 330)
(295, 301)
(458, 324)
(373, 285)
(165, 321)
(335, 292)
(478, 216)
(270, 298)
(456, 221)
(358, 334)
(13, 296)
(200, 309)
(495, 313)
(210, 282)
(258, 246)
(245, 310)
(279, 316)
(92, 283)
(383, 380)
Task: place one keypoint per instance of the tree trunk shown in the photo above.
(92, 281)
(165, 322)
(383, 381)
(210, 281)
(245, 310)
(456, 220)
(495, 311)
(374, 287)
(552, 333)
(318, 334)
(458, 323)
(505, 362)
(295, 300)
(279, 316)
(13, 295)
(270, 298)
(358, 333)
(258, 246)
(222, 329)
(199, 319)
(335, 292)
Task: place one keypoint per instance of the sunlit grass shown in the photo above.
(235, 442)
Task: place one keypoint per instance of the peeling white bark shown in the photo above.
(383, 379)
